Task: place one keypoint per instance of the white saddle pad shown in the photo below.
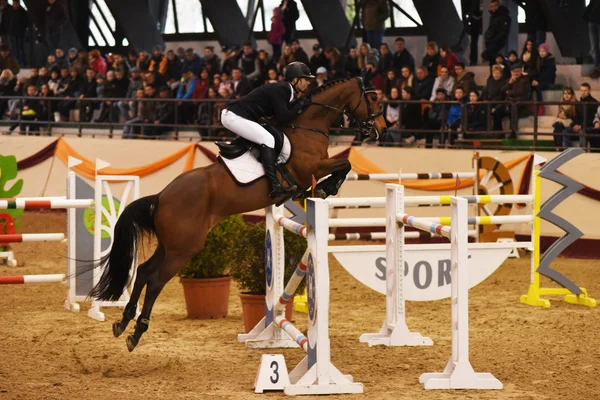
(246, 168)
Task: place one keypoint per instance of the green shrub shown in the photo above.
(219, 250)
(248, 269)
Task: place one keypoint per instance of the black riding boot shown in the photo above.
(269, 159)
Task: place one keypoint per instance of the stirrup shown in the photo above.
(281, 190)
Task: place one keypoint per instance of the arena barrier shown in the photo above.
(315, 374)
(80, 243)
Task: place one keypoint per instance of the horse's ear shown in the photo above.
(366, 75)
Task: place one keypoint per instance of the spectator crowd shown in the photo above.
(436, 92)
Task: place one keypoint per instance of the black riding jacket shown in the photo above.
(269, 100)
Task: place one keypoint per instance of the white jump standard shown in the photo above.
(315, 374)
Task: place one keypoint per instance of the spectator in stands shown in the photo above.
(230, 60)
(275, 35)
(89, 92)
(110, 61)
(173, 73)
(299, 53)
(411, 114)
(201, 86)
(271, 77)
(47, 106)
(121, 84)
(225, 83)
(594, 137)
(51, 62)
(249, 64)
(34, 78)
(476, 118)
(406, 78)
(96, 62)
(239, 84)
(391, 113)
(63, 82)
(376, 79)
(136, 116)
(206, 112)
(336, 62)
(286, 57)
(321, 76)
(529, 58)
(535, 22)
(72, 56)
(211, 61)
(20, 89)
(464, 78)
(8, 61)
(385, 58)
(494, 91)
(109, 110)
(265, 64)
(17, 25)
(132, 59)
(7, 86)
(592, 16)
(391, 81)
(584, 116)
(82, 61)
(192, 62)
(55, 18)
(120, 64)
(367, 55)
(54, 80)
(455, 114)
(496, 35)
(44, 76)
(435, 115)
(503, 62)
(143, 61)
(164, 114)
(444, 81)
(318, 59)
(565, 118)
(185, 92)
(290, 15)
(4, 22)
(449, 59)
(432, 59)
(402, 57)
(158, 62)
(351, 67)
(518, 88)
(73, 91)
(373, 14)
(423, 84)
(60, 58)
(30, 111)
(546, 71)
(473, 24)
(180, 53)
(100, 80)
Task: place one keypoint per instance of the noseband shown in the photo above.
(365, 125)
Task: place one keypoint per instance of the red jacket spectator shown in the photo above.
(97, 63)
(275, 35)
(202, 84)
(449, 59)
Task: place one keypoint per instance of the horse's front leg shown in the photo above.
(337, 169)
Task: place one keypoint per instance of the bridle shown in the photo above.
(365, 125)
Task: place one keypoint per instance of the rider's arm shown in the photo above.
(283, 113)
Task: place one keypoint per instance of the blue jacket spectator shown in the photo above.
(455, 111)
(186, 87)
(192, 62)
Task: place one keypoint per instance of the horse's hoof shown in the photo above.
(320, 194)
(117, 329)
(131, 343)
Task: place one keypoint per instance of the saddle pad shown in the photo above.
(246, 168)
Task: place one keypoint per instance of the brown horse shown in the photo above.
(182, 214)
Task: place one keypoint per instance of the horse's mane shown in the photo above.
(329, 85)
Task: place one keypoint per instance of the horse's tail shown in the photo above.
(135, 222)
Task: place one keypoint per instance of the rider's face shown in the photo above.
(303, 84)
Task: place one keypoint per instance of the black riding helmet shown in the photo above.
(296, 69)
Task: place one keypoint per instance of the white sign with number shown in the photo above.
(272, 374)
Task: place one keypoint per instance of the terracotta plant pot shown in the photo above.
(253, 309)
(206, 298)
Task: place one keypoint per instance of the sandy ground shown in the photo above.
(49, 353)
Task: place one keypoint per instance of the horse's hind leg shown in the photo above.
(156, 282)
(144, 271)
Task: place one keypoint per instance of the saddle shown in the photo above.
(239, 146)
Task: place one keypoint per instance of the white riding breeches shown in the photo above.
(247, 129)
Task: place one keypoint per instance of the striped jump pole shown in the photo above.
(293, 332)
(293, 283)
(424, 224)
(32, 237)
(379, 202)
(22, 279)
(410, 176)
(44, 204)
(292, 226)
(419, 234)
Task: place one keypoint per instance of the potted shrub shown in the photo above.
(248, 270)
(206, 285)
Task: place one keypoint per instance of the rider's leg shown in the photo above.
(253, 132)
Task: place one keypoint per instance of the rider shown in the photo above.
(269, 100)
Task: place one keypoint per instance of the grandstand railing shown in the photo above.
(514, 137)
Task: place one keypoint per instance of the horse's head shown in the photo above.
(367, 113)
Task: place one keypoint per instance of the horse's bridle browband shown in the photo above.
(364, 126)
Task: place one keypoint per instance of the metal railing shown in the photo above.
(208, 126)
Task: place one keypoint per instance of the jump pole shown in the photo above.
(11, 280)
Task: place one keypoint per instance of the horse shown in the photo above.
(181, 215)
